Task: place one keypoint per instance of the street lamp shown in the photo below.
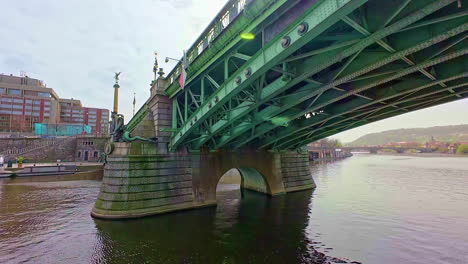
(168, 58)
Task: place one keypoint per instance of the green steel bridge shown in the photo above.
(316, 68)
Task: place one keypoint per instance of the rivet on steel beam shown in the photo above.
(209, 105)
(238, 80)
(303, 28)
(248, 72)
(195, 119)
(191, 123)
(216, 99)
(285, 42)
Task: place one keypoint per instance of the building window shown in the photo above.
(2, 90)
(44, 94)
(79, 154)
(31, 93)
(14, 91)
(95, 154)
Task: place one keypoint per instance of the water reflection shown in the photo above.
(45, 219)
(255, 229)
(373, 209)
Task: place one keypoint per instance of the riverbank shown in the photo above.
(426, 155)
(47, 169)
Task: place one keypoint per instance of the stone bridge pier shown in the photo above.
(138, 181)
(144, 178)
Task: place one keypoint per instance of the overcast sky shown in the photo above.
(76, 45)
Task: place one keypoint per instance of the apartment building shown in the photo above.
(73, 112)
(25, 101)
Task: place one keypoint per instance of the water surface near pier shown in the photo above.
(368, 208)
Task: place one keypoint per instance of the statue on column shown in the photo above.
(116, 77)
(155, 69)
(117, 122)
(118, 129)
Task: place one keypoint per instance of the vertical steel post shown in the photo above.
(185, 106)
(202, 95)
(226, 69)
(174, 113)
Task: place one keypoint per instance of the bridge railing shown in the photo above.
(217, 26)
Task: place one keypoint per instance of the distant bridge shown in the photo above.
(315, 68)
(375, 149)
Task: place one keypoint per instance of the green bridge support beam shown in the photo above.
(379, 63)
(314, 70)
(324, 14)
(242, 128)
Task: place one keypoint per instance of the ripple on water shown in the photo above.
(372, 209)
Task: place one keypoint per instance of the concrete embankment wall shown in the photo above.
(318, 154)
(65, 149)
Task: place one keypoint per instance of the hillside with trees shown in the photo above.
(458, 133)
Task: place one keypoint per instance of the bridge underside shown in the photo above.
(316, 68)
(324, 67)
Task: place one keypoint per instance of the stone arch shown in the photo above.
(253, 180)
(260, 171)
(250, 179)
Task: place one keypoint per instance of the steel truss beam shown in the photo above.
(269, 56)
(323, 15)
(368, 85)
(289, 115)
(388, 114)
(385, 45)
(366, 111)
(395, 56)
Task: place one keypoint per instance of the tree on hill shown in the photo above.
(421, 135)
(462, 149)
(329, 143)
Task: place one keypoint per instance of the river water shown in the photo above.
(368, 209)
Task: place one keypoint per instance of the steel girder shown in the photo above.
(412, 106)
(291, 114)
(321, 16)
(362, 113)
(324, 97)
(302, 124)
(236, 114)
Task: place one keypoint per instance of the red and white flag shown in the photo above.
(183, 74)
